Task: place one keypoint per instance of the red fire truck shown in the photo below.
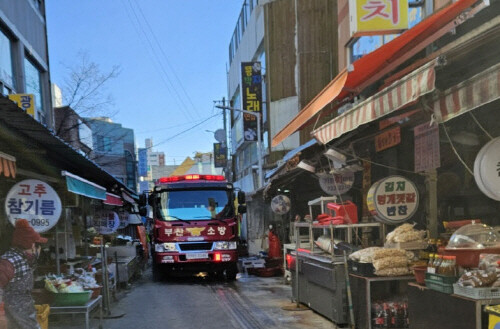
(194, 225)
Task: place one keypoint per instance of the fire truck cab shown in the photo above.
(194, 225)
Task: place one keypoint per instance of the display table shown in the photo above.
(365, 290)
(433, 309)
(85, 309)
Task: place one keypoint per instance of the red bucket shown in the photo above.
(419, 272)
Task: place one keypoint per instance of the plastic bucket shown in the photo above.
(419, 272)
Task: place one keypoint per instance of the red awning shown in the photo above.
(113, 200)
(398, 95)
(372, 67)
(481, 89)
(7, 165)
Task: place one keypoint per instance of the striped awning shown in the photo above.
(479, 90)
(7, 165)
(396, 96)
(113, 200)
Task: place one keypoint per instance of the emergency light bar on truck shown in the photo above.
(193, 177)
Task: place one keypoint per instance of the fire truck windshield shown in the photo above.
(194, 205)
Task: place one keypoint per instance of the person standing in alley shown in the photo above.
(16, 276)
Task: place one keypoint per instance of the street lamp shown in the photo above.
(259, 138)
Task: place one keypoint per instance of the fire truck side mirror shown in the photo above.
(241, 197)
(242, 209)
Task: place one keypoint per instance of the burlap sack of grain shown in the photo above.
(393, 271)
(386, 252)
(364, 255)
(390, 262)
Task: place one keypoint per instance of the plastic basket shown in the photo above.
(438, 286)
(444, 279)
(363, 269)
(72, 298)
(42, 315)
(476, 293)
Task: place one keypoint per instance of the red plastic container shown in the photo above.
(348, 211)
(467, 258)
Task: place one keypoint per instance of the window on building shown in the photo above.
(366, 44)
(104, 144)
(6, 70)
(34, 86)
(236, 103)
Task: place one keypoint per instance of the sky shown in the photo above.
(172, 55)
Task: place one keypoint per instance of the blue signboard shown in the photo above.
(143, 162)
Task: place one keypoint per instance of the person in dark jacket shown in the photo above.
(16, 276)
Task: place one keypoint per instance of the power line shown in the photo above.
(166, 58)
(168, 83)
(184, 131)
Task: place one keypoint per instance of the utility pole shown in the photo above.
(259, 138)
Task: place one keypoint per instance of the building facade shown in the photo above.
(114, 149)
(297, 58)
(24, 63)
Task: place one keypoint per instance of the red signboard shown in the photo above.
(388, 139)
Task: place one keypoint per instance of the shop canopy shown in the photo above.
(290, 155)
(61, 153)
(113, 200)
(7, 165)
(398, 95)
(481, 89)
(84, 187)
(372, 67)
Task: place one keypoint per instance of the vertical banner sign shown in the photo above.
(375, 17)
(251, 92)
(35, 201)
(143, 162)
(427, 154)
(220, 155)
(25, 102)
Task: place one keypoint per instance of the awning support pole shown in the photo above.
(431, 205)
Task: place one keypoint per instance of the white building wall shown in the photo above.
(283, 111)
(247, 49)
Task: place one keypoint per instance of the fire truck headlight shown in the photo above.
(225, 245)
(169, 246)
(162, 247)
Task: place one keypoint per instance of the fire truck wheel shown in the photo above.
(231, 273)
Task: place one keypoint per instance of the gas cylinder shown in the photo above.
(274, 244)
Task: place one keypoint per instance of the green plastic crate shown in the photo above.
(72, 298)
(446, 288)
(443, 279)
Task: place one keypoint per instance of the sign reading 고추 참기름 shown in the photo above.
(35, 201)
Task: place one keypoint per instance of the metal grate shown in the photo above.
(195, 246)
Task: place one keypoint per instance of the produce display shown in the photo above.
(79, 282)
